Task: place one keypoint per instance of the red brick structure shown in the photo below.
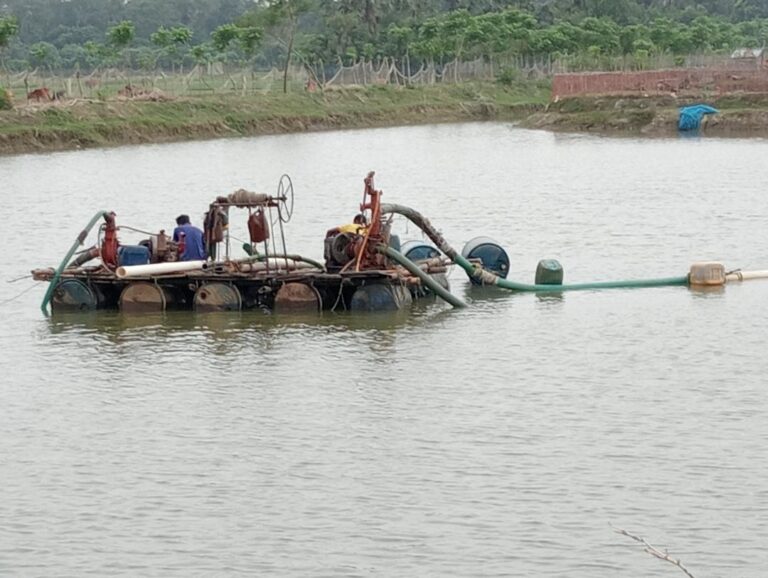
(660, 82)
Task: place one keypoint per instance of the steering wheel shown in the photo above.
(285, 198)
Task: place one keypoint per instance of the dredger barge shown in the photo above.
(365, 266)
(363, 270)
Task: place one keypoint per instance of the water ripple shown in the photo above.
(502, 440)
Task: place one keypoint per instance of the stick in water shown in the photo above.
(653, 551)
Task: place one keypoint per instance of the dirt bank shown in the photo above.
(73, 124)
(740, 115)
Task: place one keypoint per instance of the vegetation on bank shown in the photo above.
(152, 35)
(79, 124)
(100, 43)
(94, 123)
(739, 115)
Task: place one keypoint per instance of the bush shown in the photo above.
(6, 99)
(508, 76)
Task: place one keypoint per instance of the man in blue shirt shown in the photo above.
(191, 238)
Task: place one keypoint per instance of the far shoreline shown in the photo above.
(83, 124)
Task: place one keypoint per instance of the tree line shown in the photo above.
(172, 34)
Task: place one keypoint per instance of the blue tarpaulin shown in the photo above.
(690, 116)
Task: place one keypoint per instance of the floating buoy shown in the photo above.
(380, 297)
(549, 272)
(493, 257)
(74, 295)
(297, 298)
(144, 297)
(707, 274)
(217, 297)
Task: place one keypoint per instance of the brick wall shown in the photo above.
(680, 81)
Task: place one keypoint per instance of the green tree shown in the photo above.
(44, 54)
(281, 19)
(249, 38)
(9, 27)
(120, 37)
(224, 36)
(171, 41)
(99, 54)
(204, 53)
(246, 39)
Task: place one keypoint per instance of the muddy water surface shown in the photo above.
(502, 440)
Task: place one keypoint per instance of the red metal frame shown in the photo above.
(366, 255)
(110, 243)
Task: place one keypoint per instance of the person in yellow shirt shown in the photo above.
(357, 227)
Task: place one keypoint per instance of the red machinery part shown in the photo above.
(367, 256)
(110, 243)
(258, 228)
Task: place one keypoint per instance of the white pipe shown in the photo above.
(158, 269)
(746, 275)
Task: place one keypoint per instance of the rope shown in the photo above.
(134, 229)
(338, 298)
(19, 279)
(27, 290)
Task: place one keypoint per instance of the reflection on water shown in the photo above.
(227, 325)
(501, 439)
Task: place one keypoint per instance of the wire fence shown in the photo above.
(218, 79)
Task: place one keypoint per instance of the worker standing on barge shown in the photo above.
(190, 238)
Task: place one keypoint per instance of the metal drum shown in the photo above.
(297, 298)
(144, 297)
(549, 272)
(380, 297)
(217, 297)
(419, 250)
(74, 295)
(490, 254)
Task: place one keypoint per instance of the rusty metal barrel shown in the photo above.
(380, 297)
(297, 298)
(145, 297)
(213, 297)
(74, 295)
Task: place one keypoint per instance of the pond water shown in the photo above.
(502, 440)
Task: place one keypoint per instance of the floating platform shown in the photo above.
(90, 289)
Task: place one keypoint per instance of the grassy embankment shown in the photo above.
(82, 123)
(740, 115)
(91, 123)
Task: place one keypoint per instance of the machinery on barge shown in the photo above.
(365, 267)
(362, 269)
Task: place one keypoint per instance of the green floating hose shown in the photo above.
(57, 275)
(425, 278)
(488, 278)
